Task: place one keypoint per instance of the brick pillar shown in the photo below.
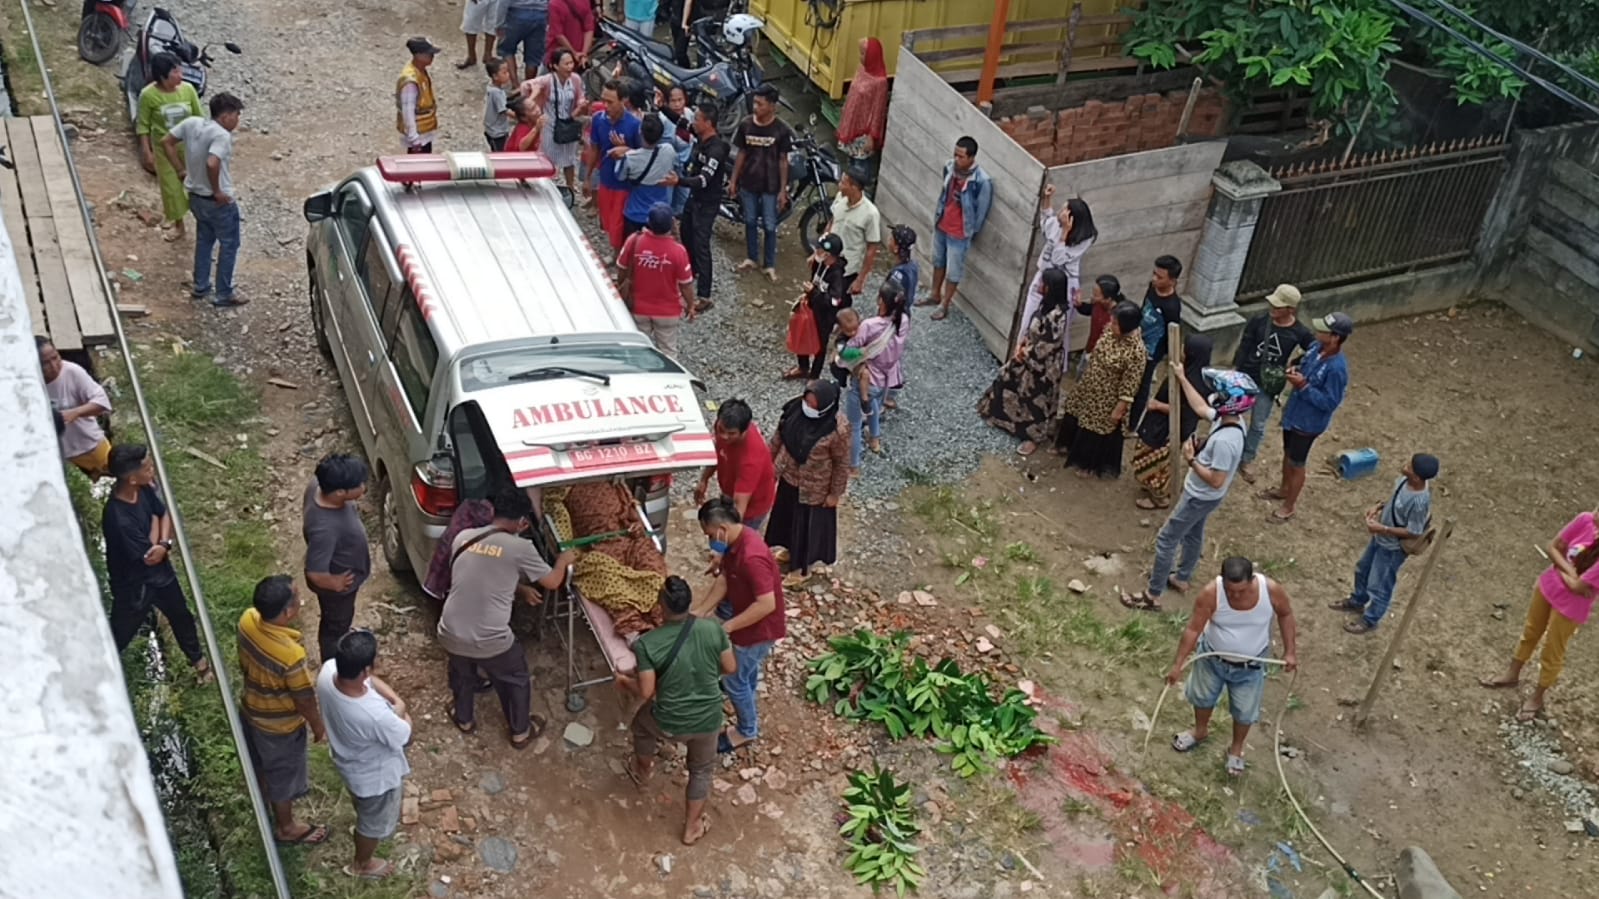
(1211, 302)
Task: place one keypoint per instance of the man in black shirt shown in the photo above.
(826, 295)
(1162, 307)
(760, 179)
(704, 176)
(138, 540)
(1268, 344)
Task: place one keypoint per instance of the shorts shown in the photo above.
(949, 254)
(1246, 688)
(1296, 446)
(480, 17)
(279, 761)
(95, 463)
(376, 817)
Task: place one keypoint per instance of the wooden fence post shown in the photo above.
(1174, 399)
(1381, 674)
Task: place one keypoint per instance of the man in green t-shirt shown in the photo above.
(680, 668)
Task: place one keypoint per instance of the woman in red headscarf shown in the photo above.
(860, 128)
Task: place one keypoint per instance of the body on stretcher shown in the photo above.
(569, 604)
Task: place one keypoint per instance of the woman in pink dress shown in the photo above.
(1561, 602)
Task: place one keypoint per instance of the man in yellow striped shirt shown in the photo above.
(279, 703)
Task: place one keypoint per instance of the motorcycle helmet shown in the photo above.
(739, 30)
(1231, 392)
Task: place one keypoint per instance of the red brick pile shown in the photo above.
(1099, 129)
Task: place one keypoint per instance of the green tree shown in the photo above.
(1337, 51)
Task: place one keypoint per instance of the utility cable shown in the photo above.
(280, 880)
(1276, 751)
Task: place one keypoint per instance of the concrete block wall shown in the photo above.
(1099, 129)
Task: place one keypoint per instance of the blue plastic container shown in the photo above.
(1354, 464)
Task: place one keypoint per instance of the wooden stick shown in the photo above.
(1174, 399)
(1404, 623)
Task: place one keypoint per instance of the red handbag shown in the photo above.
(802, 337)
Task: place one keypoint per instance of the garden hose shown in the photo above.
(1276, 751)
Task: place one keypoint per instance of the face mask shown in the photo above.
(718, 547)
(809, 412)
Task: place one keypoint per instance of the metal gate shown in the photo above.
(1376, 214)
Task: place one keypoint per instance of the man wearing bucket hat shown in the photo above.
(1405, 515)
(1319, 382)
(1268, 344)
(1211, 467)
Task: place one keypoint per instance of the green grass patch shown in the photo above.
(82, 90)
(197, 405)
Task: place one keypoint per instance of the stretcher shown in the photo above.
(567, 605)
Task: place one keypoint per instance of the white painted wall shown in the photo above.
(78, 812)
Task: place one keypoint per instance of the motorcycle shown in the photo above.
(730, 74)
(101, 28)
(813, 176)
(162, 34)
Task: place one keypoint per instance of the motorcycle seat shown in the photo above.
(658, 48)
(682, 75)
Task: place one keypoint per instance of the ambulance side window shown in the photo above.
(415, 356)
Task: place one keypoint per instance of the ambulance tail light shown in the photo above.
(465, 167)
(434, 489)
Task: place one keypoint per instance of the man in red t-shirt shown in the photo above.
(655, 280)
(750, 582)
(743, 469)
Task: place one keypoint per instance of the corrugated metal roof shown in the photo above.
(504, 261)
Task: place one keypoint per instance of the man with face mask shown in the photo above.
(751, 583)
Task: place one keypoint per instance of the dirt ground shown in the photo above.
(1502, 404)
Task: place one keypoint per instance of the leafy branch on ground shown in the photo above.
(867, 677)
(881, 828)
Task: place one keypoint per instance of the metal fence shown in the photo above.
(1374, 215)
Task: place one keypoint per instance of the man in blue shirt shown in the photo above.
(616, 127)
(1407, 513)
(1319, 382)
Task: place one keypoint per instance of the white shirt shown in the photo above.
(366, 737)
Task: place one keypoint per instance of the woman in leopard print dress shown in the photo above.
(1091, 427)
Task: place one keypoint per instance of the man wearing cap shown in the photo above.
(1407, 513)
(417, 113)
(1319, 381)
(654, 277)
(1211, 465)
(1269, 342)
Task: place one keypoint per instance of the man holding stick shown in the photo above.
(1211, 466)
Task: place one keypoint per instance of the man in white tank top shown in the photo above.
(1232, 615)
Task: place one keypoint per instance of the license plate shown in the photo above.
(592, 457)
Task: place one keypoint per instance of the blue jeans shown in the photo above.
(1185, 528)
(740, 686)
(1259, 417)
(1375, 576)
(1246, 686)
(766, 204)
(872, 415)
(214, 225)
(527, 29)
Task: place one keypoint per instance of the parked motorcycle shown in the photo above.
(101, 29)
(729, 76)
(162, 34)
(813, 175)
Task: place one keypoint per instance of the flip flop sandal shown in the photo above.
(1272, 494)
(1276, 517)
(705, 828)
(1498, 683)
(1140, 602)
(1150, 505)
(449, 712)
(724, 746)
(793, 373)
(704, 306)
(1235, 765)
(378, 873)
(1186, 741)
(1527, 716)
(1344, 605)
(314, 835)
(632, 772)
(1358, 628)
(1023, 451)
(1177, 585)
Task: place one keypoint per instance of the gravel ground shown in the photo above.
(737, 349)
(1538, 752)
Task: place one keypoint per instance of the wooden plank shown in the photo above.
(924, 36)
(54, 289)
(1145, 165)
(1136, 224)
(1146, 194)
(1573, 178)
(1031, 47)
(83, 273)
(22, 247)
(1032, 69)
(1568, 257)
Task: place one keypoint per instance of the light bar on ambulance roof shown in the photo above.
(465, 167)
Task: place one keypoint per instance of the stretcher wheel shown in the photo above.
(576, 703)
